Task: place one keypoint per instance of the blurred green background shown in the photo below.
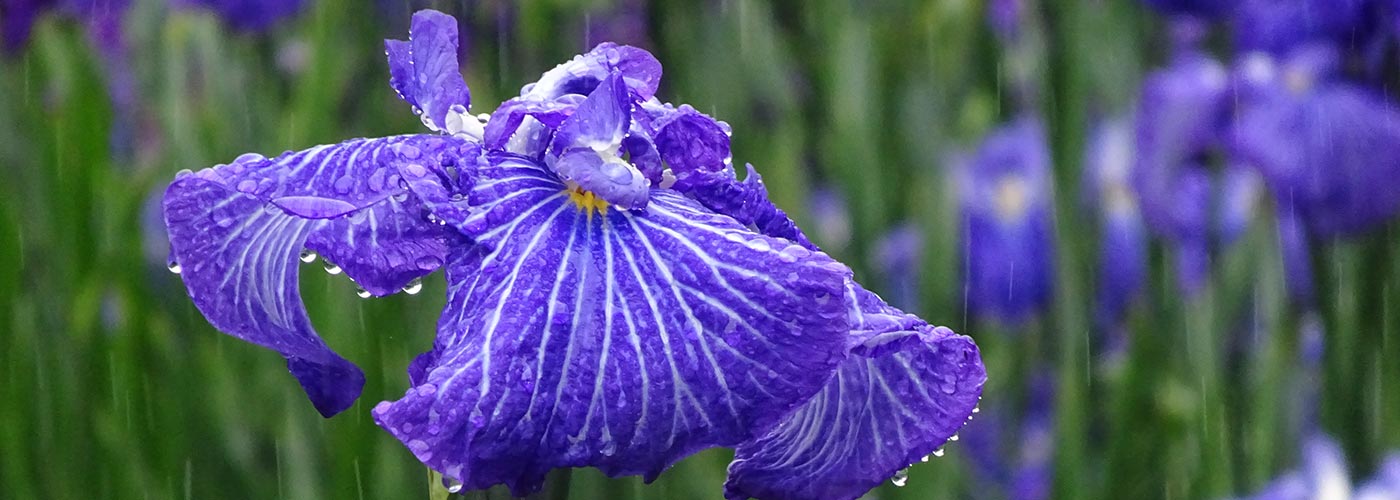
(112, 385)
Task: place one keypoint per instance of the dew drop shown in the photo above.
(173, 266)
(249, 158)
(428, 262)
(759, 244)
(362, 293)
(900, 478)
(332, 269)
(938, 452)
(415, 286)
(307, 255)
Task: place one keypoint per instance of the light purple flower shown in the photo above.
(1122, 267)
(588, 323)
(899, 257)
(1005, 199)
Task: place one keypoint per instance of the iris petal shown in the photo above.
(621, 340)
(424, 69)
(237, 240)
(905, 390)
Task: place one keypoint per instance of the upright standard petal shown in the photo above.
(625, 340)
(641, 74)
(906, 388)
(424, 70)
(238, 231)
(588, 146)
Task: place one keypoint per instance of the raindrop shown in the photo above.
(183, 173)
(308, 256)
(332, 269)
(360, 291)
(452, 485)
(925, 459)
(428, 262)
(758, 244)
(173, 266)
(409, 151)
(413, 287)
(953, 438)
(938, 452)
(249, 158)
(400, 196)
(977, 409)
(247, 186)
(900, 478)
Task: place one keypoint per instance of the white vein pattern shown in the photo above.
(905, 389)
(237, 231)
(623, 340)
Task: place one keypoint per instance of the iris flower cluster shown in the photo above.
(617, 296)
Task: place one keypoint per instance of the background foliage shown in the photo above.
(113, 386)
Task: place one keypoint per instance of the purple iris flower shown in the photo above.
(592, 319)
(830, 217)
(249, 16)
(1005, 17)
(1384, 484)
(17, 20)
(1324, 146)
(1108, 191)
(1005, 199)
(899, 257)
(1014, 458)
(1180, 118)
(1322, 474)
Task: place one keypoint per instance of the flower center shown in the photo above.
(586, 200)
(1012, 197)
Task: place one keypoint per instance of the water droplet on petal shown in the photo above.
(183, 173)
(938, 452)
(400, 196)
(901, 477)
(452, 485)
(308, 256)
(332, 269)
(428, 262)
(362, 293)
(247, 186)
(249, 158)
(416, 170)
(953, 438)
(413, 287)
(409, 151)
(758, 244)
(925, 459)
(173, 266)
(977, 409)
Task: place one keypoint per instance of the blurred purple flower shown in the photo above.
(624, 22)
(17, 18)
(1011, 456)
(830, 217)
(1122, 264)
(1005, 17)
(249, 16)
(1384, 484)
(899, 259)
(1181, 113)
(1326, 148)
(1321, 475)
(1005, 198)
